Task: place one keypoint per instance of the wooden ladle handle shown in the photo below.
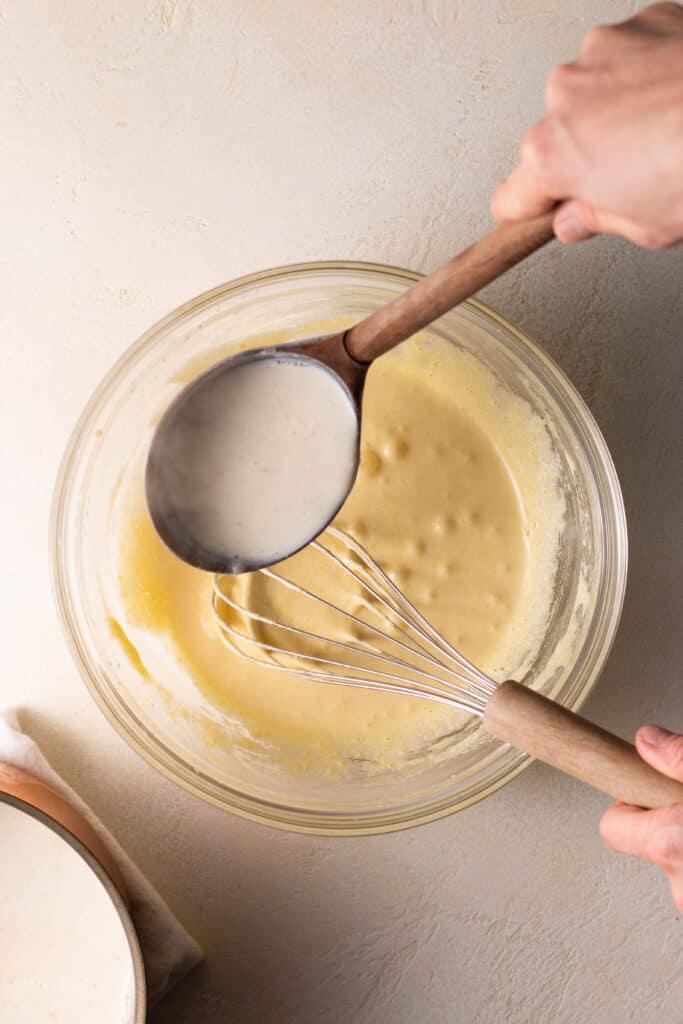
(559, 737)
(455, 281)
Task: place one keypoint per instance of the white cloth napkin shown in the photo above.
(167, 949)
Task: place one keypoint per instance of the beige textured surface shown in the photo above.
(152, 150)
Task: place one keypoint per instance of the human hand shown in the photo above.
(656, 836)
(611, 144)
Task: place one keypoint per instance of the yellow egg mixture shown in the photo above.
(457, 498)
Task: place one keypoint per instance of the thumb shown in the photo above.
(575, 221)
(661, 749)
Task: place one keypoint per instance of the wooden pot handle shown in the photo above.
(455, 281)
(551, 733)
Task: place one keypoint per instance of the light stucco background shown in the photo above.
(151, 150)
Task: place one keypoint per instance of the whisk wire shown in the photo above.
(349, 616)
(426, 630)
(392, 684)
(449, 678)
(368, 671)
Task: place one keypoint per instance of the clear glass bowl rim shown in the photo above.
(303, 820)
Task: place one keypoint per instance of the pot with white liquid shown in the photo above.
(69, 948)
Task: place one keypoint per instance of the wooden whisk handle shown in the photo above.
(560, 738)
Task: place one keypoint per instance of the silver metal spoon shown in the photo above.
(347, 356)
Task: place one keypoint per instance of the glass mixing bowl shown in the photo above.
(588, 591)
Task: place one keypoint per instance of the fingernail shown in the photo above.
(665, 847)
(568, 228)
(653, 736)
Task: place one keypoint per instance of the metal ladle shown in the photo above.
(348, 356)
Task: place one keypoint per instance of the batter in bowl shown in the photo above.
(457, 498)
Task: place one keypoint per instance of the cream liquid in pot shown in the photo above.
(64, 956)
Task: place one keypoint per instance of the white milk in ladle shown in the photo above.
(64, 955)
(260, 457)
